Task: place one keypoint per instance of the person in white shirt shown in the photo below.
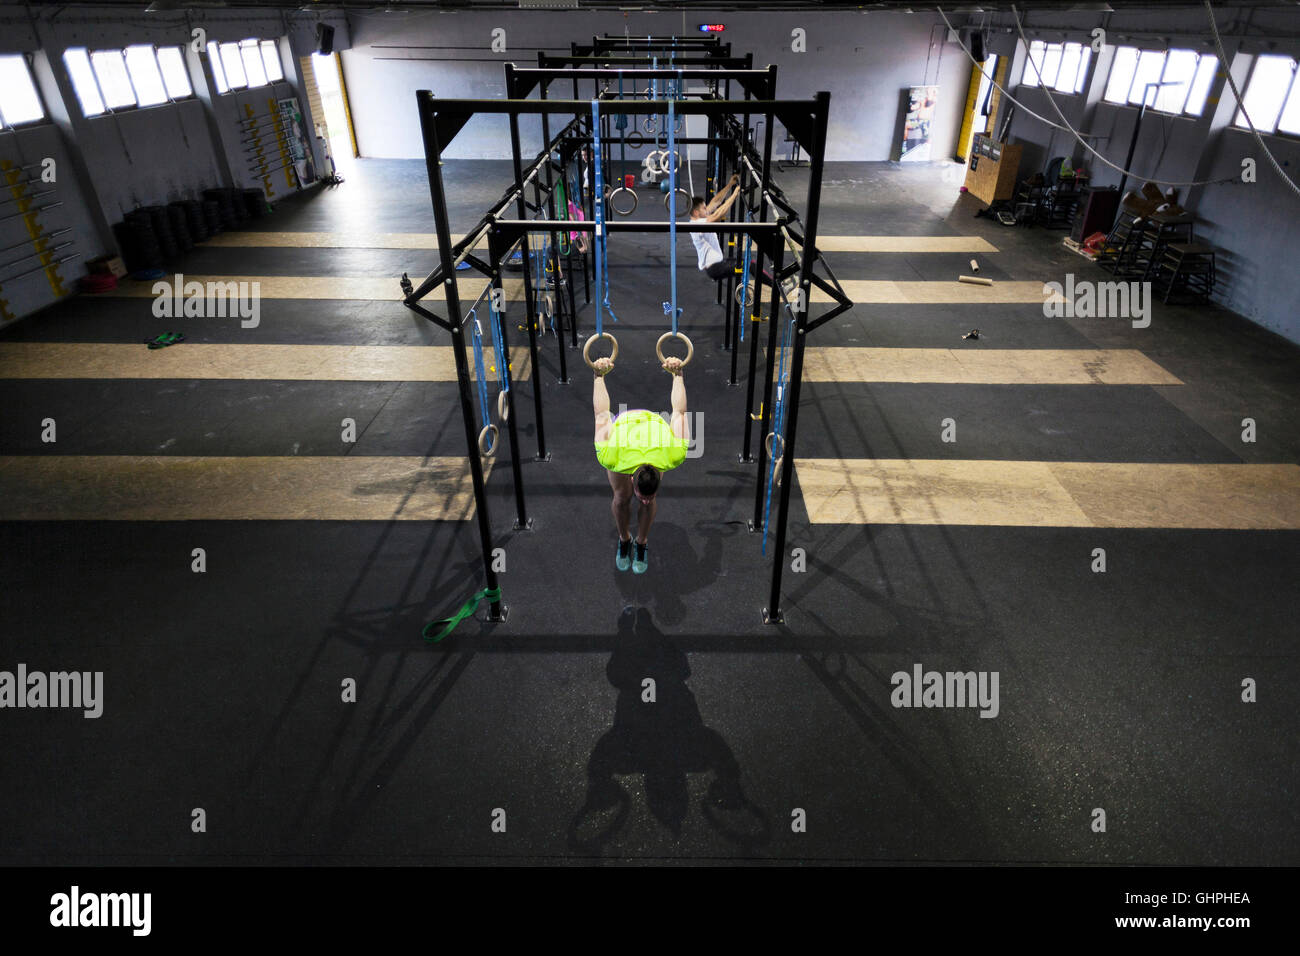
(711, 260)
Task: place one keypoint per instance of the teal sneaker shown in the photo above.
(623, 557)
(642, 562)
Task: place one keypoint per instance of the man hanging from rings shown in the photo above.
(636, 448)
(711, 259)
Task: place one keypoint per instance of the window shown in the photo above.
(83, 81)
(1121, 75)
(1180, 67)
(1063, 67)
(1271, 95)
(175, 74)
(114, 81)
(1184, 78)
(19, 102)
(271, 60)
(245, 65)
(233, 66)
(1205, 70)
(146, 78)
(120, 79)
(251, 54)
(218, 74)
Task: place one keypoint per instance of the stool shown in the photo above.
(1190, 266)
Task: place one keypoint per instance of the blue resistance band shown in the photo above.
(746, 306)
(778, 425)
(499, 347)
(478, 368)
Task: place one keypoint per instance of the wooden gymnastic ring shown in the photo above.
(635, 139)
(690, 349)
(586, 349)
(651, 163)
(776, 472)
(623, 212)
(767, 444)
(671, 206)
(503, 406)
(487, 441)
(648, 124)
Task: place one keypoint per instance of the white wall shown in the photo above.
(865, 61)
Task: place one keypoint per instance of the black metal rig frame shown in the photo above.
(806, 121)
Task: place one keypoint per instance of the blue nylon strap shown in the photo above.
(746, 305)
(778, 423)
(671, 306)
(598, 203)
(481, 374)
(499, 347)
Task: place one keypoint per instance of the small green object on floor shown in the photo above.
(448, 624)
(166, 339)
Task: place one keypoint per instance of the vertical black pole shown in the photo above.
(432, 151)
(522, 208)
(498, 291)
(807, 257)
(555, 236)
(756, 270)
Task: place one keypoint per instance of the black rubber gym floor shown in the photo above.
(1120, 691)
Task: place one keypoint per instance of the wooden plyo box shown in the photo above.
(993, 169)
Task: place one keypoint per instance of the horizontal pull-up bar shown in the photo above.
(638, 73)
(722, 62)
(634, 225)
(649, 107)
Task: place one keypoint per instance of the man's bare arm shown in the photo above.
(720, 213)
(600, 404)
(681, 425)
(719, 198)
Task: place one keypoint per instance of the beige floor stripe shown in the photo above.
(888, 292)
(861, 291)
(369, 288)
(985, 366)
(124, 488)
(340, 363)
(429, 240)
(1050, 494)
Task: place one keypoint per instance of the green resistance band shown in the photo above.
(469, 607)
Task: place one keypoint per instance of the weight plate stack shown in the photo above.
(162, 230)
(255, 203)
(225, 205)
(212, 216)
(236, 200)
(197, 221)
(180, 226)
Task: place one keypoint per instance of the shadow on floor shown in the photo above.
(658, 732)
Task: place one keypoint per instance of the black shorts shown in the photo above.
(720, 270)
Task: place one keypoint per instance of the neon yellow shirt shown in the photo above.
(641, 438)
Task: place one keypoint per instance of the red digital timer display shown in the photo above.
(712, 27)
